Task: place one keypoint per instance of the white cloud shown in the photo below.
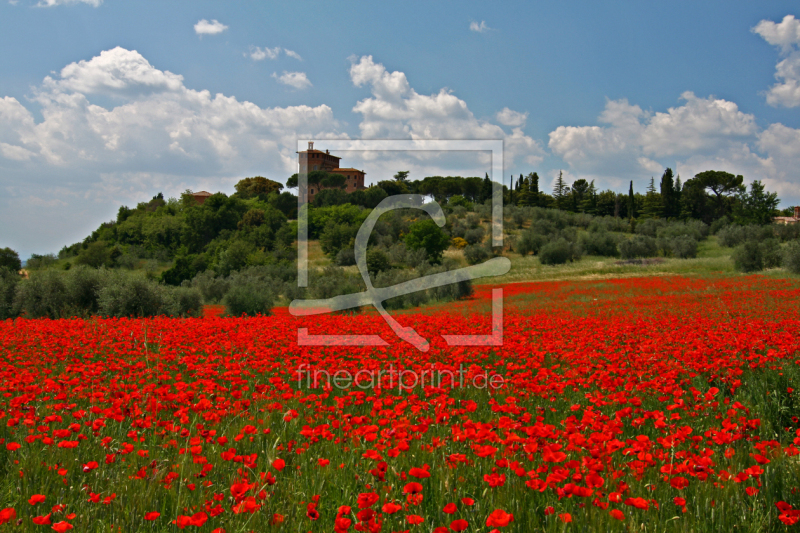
(786, 36)
(292, 53)
(53, 3)
(298, 80)
(397, 111)
(635, 140)
(509, 117)
(702, 134)
(479, 28)
(204, 27)
(258, 54)
(160, 136)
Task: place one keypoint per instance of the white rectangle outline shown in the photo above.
(495, 146)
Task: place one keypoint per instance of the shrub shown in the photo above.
(638, 246)
(600, 243)
(249, 298)
(747, 257)
(791, 257)
(475, 235)
(184, 301)
(377, 261)
(459, 243)
(559, 252)
(425, 234)
(335, 237)
(476, 253)
(530, 242)
(43, 295)
(211, 287)
(650, 226)
(8, 285)
(771, 252)
(10, 259)
(130, 295)
(83, 286)
(346, 257)
(683, 247)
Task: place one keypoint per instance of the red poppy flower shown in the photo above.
(152, 515)
(499, 518)
(617, 514)
(61, 527)
(450, 508)
(459, 525)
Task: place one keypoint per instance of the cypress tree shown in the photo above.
(631, 201)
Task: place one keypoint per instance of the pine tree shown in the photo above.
(589, 202)
(652, 202)
(533, 188)
(631, 201)
(560, 191)
(668, 195)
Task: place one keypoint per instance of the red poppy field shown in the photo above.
(647, 404)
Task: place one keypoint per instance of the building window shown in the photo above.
(315, 167)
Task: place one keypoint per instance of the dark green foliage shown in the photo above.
(83, 286)
(327, 197)
(43, 295)
(475, 235)
(8, 285)
(787, 232)
(425, 234)
(771, 252)
(755, 207)
(97, 254)
(791, 257)
(734, 235)
(530, 242)
(747, 257)
(257, 186)
(683, 246)
(600, 243)
(638, 246)
(336, 237)
(130, 295)
(377, 261)
(650, 226)
(346, 257)
(476, 253)
(185, 267)
(286, 203)
(249, 297)
(212, 287)
(37, 261)
(559, 251)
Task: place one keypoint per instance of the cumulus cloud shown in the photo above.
(204, 27)
(702, 134)
(479, 28)
(397, 111)
(508, 117)
(298, 80)
(159, 136)
(786, 36)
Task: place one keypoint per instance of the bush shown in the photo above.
(747, 257)
(346, 257)
(600, 243)
(249, 298)
(530, 242)
(130, 295)
(336, 237)
(425, 234)
(83, 286)
(475, 235)
(43, 295)
(10, 259)
(638, 246)
(559, 252)
(731, 236)
(211, 287)
(476, 253)
(184, 301)
(8, 286)
(791, 257)
(683, 247)
(377, 261)
(650, 226)
(771, 252)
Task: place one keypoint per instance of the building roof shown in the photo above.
(790, 219)
(350, 169)
(202, 193)
(318, 152)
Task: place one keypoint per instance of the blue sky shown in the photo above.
(102, 103)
